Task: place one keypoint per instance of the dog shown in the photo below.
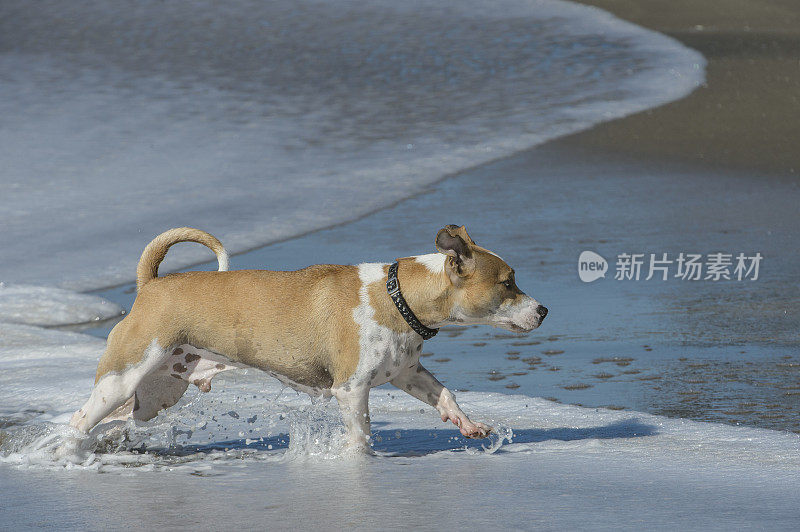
(327, 330)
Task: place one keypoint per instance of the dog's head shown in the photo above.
(483, 286)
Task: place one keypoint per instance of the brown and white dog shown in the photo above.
(326, 330)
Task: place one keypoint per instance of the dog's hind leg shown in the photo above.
(114, 388)
(166, 385)
(156, 392)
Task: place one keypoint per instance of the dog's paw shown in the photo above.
(470, 429)
(475, 430)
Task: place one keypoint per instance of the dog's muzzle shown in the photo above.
(522, 317)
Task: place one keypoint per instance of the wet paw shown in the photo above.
(475, 430)
(469, 428)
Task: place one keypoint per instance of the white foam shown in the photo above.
(103, 150)
(48, 306)
(564, 464)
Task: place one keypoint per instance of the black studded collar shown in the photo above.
(393, 287)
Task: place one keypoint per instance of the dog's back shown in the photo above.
(255, 317)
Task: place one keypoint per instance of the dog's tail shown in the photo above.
(156, 250)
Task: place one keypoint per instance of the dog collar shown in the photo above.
(393, 287)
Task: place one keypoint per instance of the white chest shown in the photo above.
(383, 353)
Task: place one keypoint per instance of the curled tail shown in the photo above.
(156, 250)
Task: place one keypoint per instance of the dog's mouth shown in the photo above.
(514, 327)
(521, 317)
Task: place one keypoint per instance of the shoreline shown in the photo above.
(746, 115)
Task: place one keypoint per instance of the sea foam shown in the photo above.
(262, 121)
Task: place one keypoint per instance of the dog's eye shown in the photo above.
(508, 283)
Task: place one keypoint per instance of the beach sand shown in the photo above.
(747, 115)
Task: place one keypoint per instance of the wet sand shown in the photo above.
(748, 113)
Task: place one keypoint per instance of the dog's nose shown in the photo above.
(542, 310)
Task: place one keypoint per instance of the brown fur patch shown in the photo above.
(260, 318)
(479, 293)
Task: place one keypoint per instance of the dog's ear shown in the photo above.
(454, 242)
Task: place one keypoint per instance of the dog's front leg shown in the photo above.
(419, 382)
(354, 406)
